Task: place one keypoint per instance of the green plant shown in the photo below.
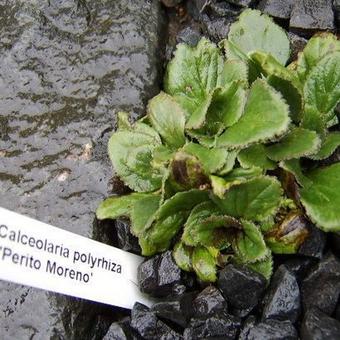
(209, 162)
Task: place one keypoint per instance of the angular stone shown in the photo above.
(66, 67)
(297, 44)
(122, 331)
(242, 3)
(216, 29)
(334, 239)
(159, 276)
(209, 301)
(177, 310)
(300, 266)
(147, 325)
(277, 8)
(242, 288)
(312, 15)
(273, 330)
(247, 326)
(321, 288)
(318, 326)
(189, 36)
(315, 243)
(125, 240)
(219, 326)
(282, 299)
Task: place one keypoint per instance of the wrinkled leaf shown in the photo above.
(131, 155)
(234, 71)
(297, 143)
(328, 146)
(289, 235)
(322, 198)
(255, 31)
(249, 244)
(182, 256)
(168, 119)
(316, 48)
(266, 116)
(204, 264)
(191, 76)
(253, 200)
(255, 156)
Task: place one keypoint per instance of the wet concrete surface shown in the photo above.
(66, 68)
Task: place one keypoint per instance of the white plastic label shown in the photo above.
(42, 256)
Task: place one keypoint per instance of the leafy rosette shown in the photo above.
(213, 162)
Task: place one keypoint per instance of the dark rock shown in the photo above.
(297, 44)
(282, 299)
(159, 276)
(312, 15)
(334, 240)
(337, 311)
(314, 244)
(219, 326)
(273, 330)
(241, 287)
(215, 29)
(125, 239)
(277, 8)
(247, 326)
(321, 288)
(177, 310)
(336, 7)
(318, 326)
(147, 325)
(121, 331)
(66, 67)
(209, 301)
(242, 3)
(189, 36)
(171, 3)
(300, 266)
(218, 9)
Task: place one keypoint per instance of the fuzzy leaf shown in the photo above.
(253, 200)
(168, 119)
(191, 76)
(316, 48)
(212, 160)
(234, 71)
(322, 87)
(182, 256)
(257, 32)
(264, 267)
(249, 244)
(130, 152)
(229, 163)
(294, 167)
(328, 146)
(169, 218)
(322, 199)
(204, 264)
(298, 143)
(117, 206)
(287, 237)
(266, 116)
(255, 156)
(207, 226)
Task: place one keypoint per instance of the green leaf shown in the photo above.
(257, 32)
(253, 200)
(316, 48)
(207, 226)
(266, 116)
(328, 146)
(169, 219)
(322, 87)
(123, 121)
(204, 264)
(294, 167)
(131, 155)
(212, 160)
(298, 143)
(167, 117)
(142, 213)
(287, 237)
(249, 244)
(117, 206)
(264, 267)
(182, 256)
(191, 76)
(322, 198)
(255, 156)
(234, 71)
(229, 163)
